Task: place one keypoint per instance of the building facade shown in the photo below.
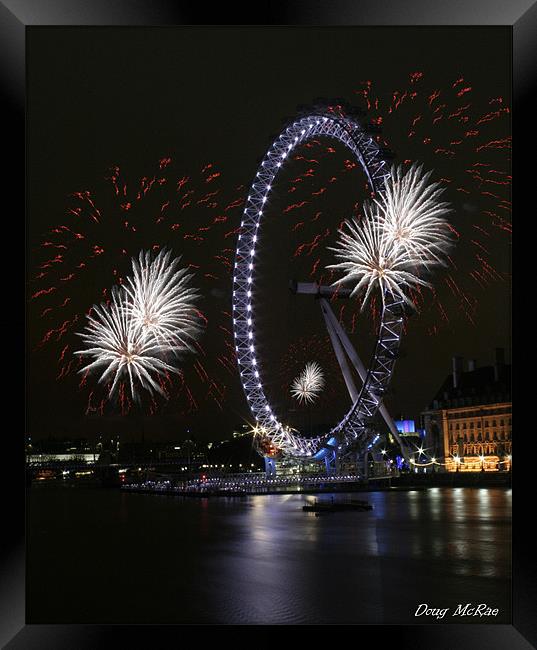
(469, 420)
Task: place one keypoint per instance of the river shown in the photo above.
(106, 556)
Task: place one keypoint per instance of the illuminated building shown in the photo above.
(407, 429)
(58, 451)
(405, 426)
(469, 419)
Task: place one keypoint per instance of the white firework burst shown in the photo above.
(162, 301)
(149, 319)
(309, 383)
(122, 348)
(413, 216)
(402, 234)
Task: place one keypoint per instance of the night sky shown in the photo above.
(203, 104)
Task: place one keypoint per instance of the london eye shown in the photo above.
(354, 429)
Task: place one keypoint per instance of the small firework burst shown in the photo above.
(309, 384)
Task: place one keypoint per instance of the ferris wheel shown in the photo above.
(354, 430)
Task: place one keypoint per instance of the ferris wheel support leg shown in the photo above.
(360, 368)
(331, 462)
(340, 354)
(270, 467)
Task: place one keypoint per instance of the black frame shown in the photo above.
(25, 13)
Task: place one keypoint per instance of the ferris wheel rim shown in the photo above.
(352, 427)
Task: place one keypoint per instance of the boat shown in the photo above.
(335, 506)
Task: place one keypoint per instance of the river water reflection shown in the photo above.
(107, 556)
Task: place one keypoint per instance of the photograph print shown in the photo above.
(268, 325)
